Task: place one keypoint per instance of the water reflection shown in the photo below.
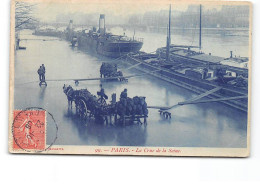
(42, 92)
(129, 135)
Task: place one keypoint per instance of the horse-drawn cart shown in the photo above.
(109, 72)
(125, 111)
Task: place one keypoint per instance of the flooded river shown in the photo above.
(203, 125)
(216, 44)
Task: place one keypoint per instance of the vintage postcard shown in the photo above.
(158, 78)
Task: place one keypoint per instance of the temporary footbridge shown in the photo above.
(198, 99)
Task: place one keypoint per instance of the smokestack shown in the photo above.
(102, 24)
(71, 25)
(231, 54)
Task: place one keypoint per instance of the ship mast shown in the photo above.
(168, 37)
(170, 26)
(200, 29)
(167, 44)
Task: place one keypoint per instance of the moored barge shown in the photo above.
(189, 80)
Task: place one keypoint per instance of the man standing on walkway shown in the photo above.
(40, 72)
(43, 74)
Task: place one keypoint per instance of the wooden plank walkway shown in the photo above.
(197, 100)
(212, 100)
(205, 94)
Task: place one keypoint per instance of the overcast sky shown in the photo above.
(49, 11)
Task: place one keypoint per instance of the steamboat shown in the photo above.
(102, 43)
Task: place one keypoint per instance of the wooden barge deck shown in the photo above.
(195, 85)
(201, 59)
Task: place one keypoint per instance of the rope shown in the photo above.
(119, 58)
(131, 67)
(196, 99)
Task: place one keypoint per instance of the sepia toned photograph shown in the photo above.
(165, 78)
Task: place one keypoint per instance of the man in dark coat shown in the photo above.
(40, 73)
(43, 74)
(101, 94)
(124, 94)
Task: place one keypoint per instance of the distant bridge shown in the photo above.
(222, 31)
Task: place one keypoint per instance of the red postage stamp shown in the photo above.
(29, 130)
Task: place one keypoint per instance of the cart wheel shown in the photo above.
(82, 109)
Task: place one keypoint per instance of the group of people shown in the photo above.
(104, 97)
(41, 72)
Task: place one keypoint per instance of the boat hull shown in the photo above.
(109, 49)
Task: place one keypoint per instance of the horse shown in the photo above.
(69, 91)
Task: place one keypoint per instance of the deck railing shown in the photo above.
(125, 38)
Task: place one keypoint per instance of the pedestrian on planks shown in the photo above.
(43, 74)
(40, 73)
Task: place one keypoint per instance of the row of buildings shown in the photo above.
(219, 17)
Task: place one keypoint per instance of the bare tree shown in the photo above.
(24, 15)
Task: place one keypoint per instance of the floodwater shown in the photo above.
(201, 125)
(216, 44)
